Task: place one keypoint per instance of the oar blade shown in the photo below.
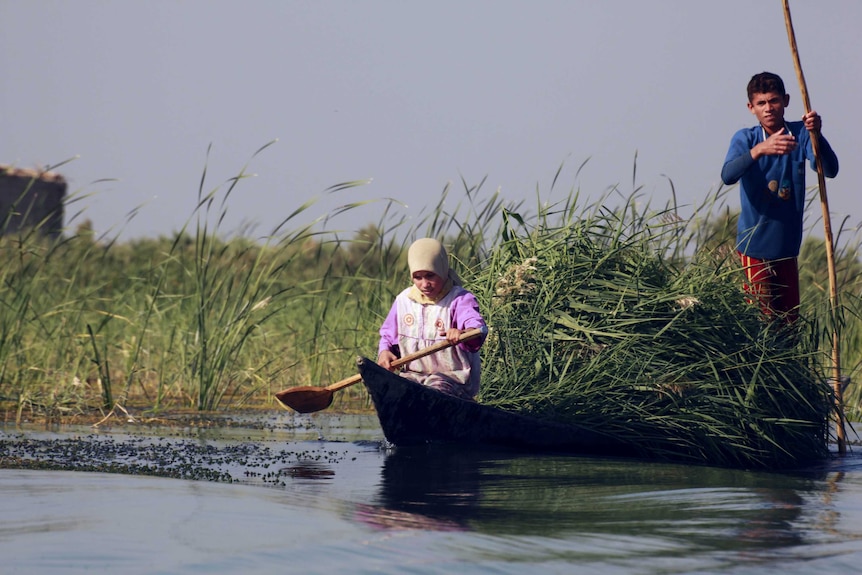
(305, 399)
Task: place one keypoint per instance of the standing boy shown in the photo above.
(768, 160)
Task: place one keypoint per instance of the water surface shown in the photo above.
(322, 494)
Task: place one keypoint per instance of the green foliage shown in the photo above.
(592, 325)
(628, 321)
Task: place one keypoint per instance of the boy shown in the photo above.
(768, 161)
(435, 307)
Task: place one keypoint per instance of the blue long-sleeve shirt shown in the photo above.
(772, 191)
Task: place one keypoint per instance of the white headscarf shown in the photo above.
(428, 254)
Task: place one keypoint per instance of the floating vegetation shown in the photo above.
(597, 322)
(226, 462)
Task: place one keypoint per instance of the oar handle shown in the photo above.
(440, 345)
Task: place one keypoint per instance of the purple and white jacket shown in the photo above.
(412, 326)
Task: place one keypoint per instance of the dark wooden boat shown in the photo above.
(412, 414)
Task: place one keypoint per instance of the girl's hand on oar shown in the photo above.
(385, 359)
(452, 335)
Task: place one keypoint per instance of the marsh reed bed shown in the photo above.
(628, 320)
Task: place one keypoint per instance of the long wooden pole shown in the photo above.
(830, 246)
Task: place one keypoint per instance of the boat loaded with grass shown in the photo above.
(604, 341)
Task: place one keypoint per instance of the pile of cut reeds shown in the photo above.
(593, 323)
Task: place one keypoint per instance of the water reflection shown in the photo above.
(669, 506)
(427, 488)
(313, 470)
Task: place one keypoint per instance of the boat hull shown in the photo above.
(412, 414)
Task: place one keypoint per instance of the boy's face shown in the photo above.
(429, 283)
(769, 109)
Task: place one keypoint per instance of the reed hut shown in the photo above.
(31, 200)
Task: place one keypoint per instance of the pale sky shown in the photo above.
(411, 94)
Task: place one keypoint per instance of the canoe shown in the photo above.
(412, 414)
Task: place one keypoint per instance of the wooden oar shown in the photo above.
(830, 244)
(308, 399)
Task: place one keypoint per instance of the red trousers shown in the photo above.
(774, 284)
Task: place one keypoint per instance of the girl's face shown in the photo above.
(429, 283)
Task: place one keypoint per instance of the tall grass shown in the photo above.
(181, 321)
(628, 314)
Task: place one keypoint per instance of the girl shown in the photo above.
(435, 307)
